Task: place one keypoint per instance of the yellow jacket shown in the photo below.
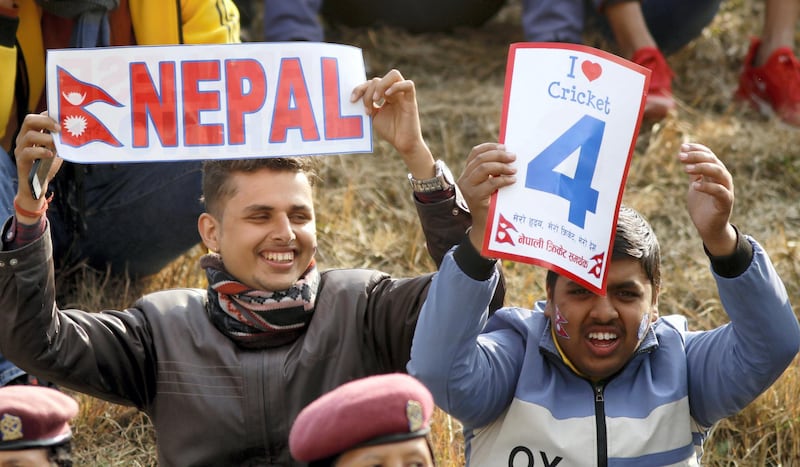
(154, 22)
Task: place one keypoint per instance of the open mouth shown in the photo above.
(602, 341)
(279, 256)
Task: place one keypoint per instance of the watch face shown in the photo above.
(446, 174)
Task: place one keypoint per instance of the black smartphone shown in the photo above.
(38, 176)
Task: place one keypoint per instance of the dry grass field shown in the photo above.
(366, 218)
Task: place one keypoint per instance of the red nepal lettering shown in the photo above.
(292, 104)
(196, 101)
(531, 241)
(158, 108)
(336, 125)
(556, 249)
(237, 74)
(161, 107)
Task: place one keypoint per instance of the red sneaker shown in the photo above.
(774, 87)
(659, 99)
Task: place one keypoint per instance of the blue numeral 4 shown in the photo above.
(586, 135)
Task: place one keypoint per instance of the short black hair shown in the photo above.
(635, 239)
(217, 173)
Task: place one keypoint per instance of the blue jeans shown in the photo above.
(8, 371)
(134, 217)
(673, 23)
(293, 20)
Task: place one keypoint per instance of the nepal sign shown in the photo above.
(191, 102)
(571, 114)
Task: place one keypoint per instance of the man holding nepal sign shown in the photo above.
(595, 364)
(223, 372)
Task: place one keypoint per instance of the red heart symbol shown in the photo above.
(591, 70)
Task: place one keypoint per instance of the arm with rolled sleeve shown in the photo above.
(732, 365)
(472, 376)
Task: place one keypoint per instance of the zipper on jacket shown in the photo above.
(180, 21)
(600, 422)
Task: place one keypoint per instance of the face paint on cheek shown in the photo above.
(560, 322)
(643, 326)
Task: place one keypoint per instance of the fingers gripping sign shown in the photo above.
(37, 163)
(488, 169)
(391, 102)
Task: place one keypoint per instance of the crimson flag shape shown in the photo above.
(503, 227)
(78, 125)
(598, 264)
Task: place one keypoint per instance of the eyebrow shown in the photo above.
(264, 207)
(626, 285)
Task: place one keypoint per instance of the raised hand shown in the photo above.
(709, 198)
(34, 141)
(488, 168)
(391, 101)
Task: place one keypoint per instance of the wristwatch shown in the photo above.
(442, 181)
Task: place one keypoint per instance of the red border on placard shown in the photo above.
(512, 53)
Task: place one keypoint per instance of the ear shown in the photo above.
(654, 305)
(549, 306)
(209, 229)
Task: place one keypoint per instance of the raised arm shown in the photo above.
(471, 377)
(709, 199)
(731, 365)
(391, 102)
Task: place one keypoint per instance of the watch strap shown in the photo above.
(428, 185)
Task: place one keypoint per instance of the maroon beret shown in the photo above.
(373, 410)
(34, 417)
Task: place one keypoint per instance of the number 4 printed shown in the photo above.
(586, 135)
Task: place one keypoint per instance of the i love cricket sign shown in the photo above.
(185, 102)
(571, 114)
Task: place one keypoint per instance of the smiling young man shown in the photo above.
(584, 379)
(223, 372)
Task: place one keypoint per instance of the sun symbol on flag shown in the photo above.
(75, 125)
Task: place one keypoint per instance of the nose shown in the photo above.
(603, 309)
(282, 230)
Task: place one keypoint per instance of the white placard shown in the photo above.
(571, 114)
(184, 102)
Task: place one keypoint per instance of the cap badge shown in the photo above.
(414, 415)
(10, 428)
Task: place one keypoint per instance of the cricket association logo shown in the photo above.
(79, 126)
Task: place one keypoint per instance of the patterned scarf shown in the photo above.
(258, 319)
(91, 19)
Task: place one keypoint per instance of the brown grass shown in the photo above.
(366, 217)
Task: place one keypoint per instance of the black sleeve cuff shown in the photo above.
(471, 262)
(8, 30)
(736, 263)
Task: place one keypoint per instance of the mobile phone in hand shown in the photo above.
(38, 176)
